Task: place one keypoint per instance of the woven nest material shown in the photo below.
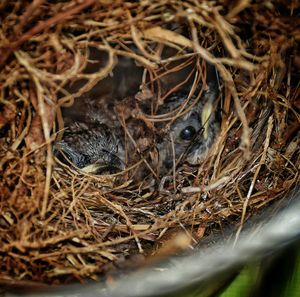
(58, 223)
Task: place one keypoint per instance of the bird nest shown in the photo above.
(60, 223)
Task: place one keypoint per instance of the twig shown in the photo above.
(62, 17)
(261, 162)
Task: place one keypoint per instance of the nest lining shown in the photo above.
(58, 223)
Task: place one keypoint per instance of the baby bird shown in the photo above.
(92, 146)
(189, 137)
(97, 146)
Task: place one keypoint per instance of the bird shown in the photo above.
(98, 144)
(92, 146)
(189, 137)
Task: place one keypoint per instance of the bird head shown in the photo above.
(91, 147)
(191, 132)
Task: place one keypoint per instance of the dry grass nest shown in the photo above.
(59, 224)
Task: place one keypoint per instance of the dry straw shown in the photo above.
(58, 223)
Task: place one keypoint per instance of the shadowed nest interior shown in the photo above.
(58, 223)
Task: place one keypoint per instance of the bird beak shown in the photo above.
(206, 112)
(115, 164)
(92, 168)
